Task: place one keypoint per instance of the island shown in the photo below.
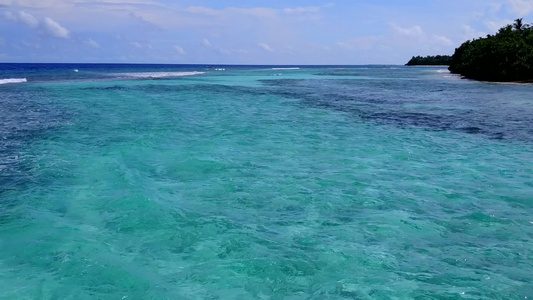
(437, 60)
(506, 56)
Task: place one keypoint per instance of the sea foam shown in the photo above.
(13, 80)
(285, 68)
(152, 75)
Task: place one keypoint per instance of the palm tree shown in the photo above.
(518, 24)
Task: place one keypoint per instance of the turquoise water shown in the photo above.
(253, 183)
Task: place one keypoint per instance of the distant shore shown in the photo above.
(443, 66)
(525, 82)
(436, 60)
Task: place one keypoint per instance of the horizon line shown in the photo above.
(194, 64)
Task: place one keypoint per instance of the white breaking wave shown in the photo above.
(13, 80)
(443, 71)
(159, 74)
(285, 68)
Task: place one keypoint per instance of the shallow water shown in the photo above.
(253, 183)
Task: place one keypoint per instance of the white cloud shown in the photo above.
(521, 7)
(59, 4)
(206, 43)
(92, 43)
(9, 16)
(495, 8)
(28, 19)
(301, 10)
(48, 25)
(265, 47)
(139, 45)
(411, 31)
(31, 45)
(360, 43)
(443, 40)
(22, 17)
(136, 45)
(258, 12)
(471, 33)
(202, 10)
(496, 25)
(179, 49)
(224, 51)
(55, 29)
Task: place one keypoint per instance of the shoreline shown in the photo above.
(514, 82)
(426, 65)
(521, 82)
(529, 82)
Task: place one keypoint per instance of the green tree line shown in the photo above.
(505, 56)
(438, 60)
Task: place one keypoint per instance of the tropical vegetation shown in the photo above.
(438, 60)
(505, 56)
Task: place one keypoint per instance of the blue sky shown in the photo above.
(246, 31)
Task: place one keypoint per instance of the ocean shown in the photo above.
(263, 182)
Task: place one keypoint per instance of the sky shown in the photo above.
(344, 32)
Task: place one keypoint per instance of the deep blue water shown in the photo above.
(263, 182)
